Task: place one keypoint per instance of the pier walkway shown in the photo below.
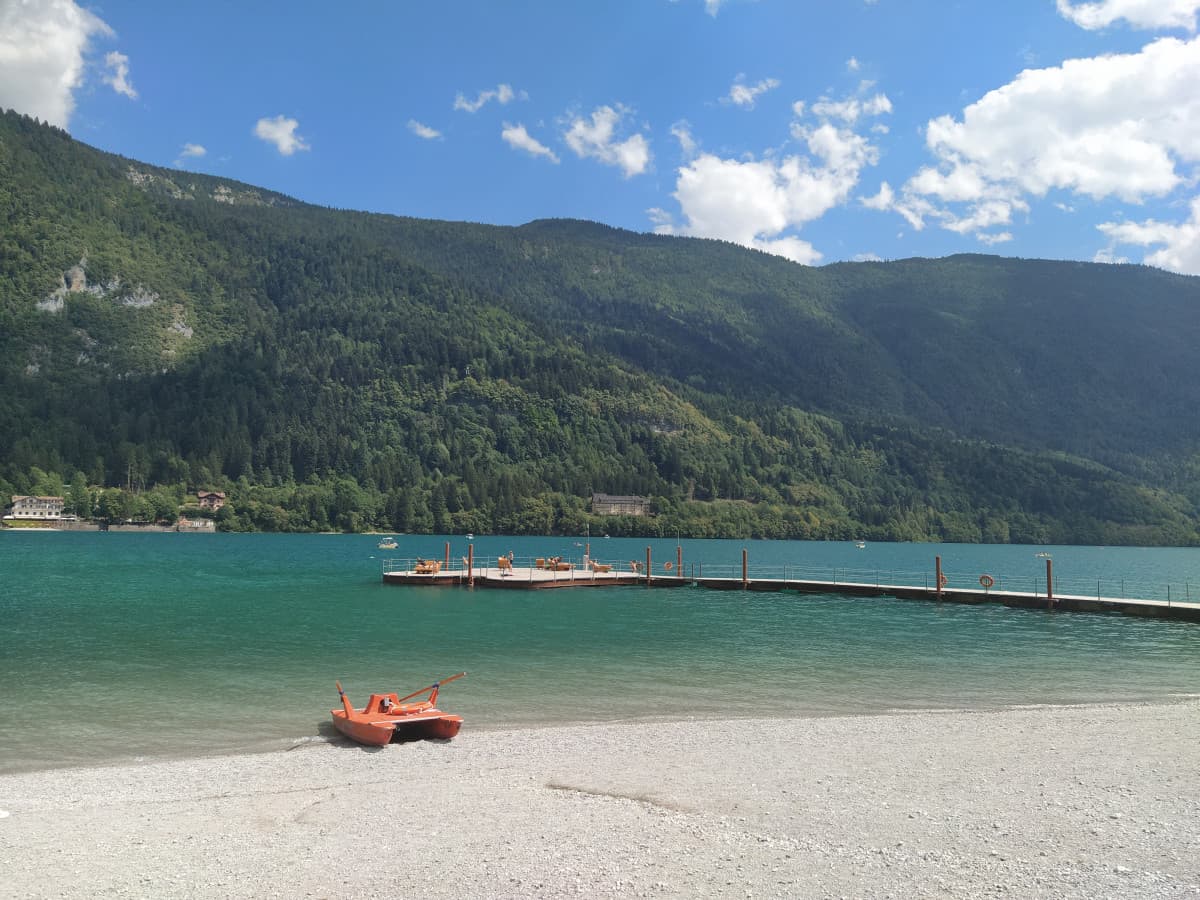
(934, 586)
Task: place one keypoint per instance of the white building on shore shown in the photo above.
(35, 508)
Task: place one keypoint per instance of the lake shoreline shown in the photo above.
(267, 745)
(1074, 801)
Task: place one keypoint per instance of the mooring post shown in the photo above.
(470, 564)
(648, 570)
(679, 560)
(1049, 583)
(745, 568)
(447, 565)
(937, 566)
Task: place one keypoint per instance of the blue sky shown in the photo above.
(821, 130)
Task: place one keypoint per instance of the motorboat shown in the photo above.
(388, 544)
(387, 717)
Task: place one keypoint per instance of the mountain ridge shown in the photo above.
(493, 377)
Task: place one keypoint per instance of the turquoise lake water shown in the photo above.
(126, 646)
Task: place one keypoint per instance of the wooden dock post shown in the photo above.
(649, 571)
(939, 579)
(1049, 583)
(678, 561)
(470, 564)
(447, 565)
(745, 569)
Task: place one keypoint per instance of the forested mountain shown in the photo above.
(343, 370)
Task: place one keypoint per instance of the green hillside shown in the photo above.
(167, 331)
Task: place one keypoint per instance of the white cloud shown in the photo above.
(712, 6)
(518, 138)
(883, 200)
(1138, 13)
(281, 132)
(1107, 256)
(756, 202)
(189, 151)
(1122, 126)
(682, 132)
(117, 74)
(741, 94)
(1181, 243)
(851, 109)
(596, 139)
(42, 49)
(503, 94)
(423, 131)
(991, 240)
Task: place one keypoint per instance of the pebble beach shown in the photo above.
(1080, 801)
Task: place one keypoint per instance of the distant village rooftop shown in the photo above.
(210, 499)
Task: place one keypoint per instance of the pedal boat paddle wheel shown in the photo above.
(387, 717)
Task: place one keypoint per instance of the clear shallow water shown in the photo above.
(118, 646)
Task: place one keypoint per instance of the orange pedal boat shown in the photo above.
(387, 717)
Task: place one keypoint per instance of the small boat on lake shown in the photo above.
(387, 717)
(388, 544)
(861, 545)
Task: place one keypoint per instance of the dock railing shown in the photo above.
(581, 568)
(1031, 583)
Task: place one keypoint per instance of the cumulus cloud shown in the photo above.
(596, 138)
(503, 94)
(742, 94)
(42, 48)
(885, 199)
(519, 139)
(281, 132)
(1180, 243)
(116, 74)
(852, 109)
(1138, 13)
(1122, 126)
(423, 131)
(189, 151)
(757, 202)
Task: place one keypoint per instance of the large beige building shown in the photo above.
(24, 507)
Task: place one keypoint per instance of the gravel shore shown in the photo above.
(1096, 801)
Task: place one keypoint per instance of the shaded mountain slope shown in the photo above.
(349, 370)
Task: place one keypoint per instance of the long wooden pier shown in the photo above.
(543, 574)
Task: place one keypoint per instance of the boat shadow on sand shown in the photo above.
(330, 735)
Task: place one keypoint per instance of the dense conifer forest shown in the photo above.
(163, 332)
